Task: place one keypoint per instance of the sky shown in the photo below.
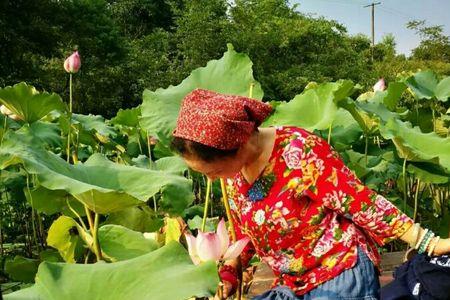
(391, 16)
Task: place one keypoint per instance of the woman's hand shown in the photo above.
(442, 247)
(226, 291)
(227, 287)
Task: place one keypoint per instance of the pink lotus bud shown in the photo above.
(73, 63)
(152, 140)
(379, 86)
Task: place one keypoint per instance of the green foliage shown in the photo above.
(425, 85)
(22, 268)
(53, 201)
(166, 273)
(414, 145)
(435, 45)
(29, 104)
(232, 74)
(321, 103)
(63, 235)
(137, 218)
(120, 243)
(98, 180)
(130, 46)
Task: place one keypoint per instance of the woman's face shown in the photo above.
(221, 168)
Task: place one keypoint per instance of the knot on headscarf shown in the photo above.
(221, 121)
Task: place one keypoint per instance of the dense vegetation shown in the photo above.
(130, 45)
(78, 188)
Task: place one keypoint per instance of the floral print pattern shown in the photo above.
(307, 213)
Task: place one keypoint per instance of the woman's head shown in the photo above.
(213, 128)
(212, 162)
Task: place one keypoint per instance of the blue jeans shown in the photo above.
(358, 283)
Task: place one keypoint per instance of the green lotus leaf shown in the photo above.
(442, 91)
(138, 218)
(173, 230)
(345, 130)
(313, 109)
(94, 123)
(390, 96)
(51, 255)
(232, 74)
(30, 293)
(21, 268)
(121, 243)
(171, 164)
(63, 235)
(127, 117)
(414, 145)
(196, 223)
(29, 104)
(429, 173)
(102, 185)
(423, 84)
(48, 133)
(367, 123)
(53, 201)
(166, 273)
(170, 192)
(379, 110)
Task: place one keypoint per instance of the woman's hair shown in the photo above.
(187, 147)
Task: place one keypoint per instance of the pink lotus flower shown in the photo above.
(214, 246)
(73, 63)
(379, 86)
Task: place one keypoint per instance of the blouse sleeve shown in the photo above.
(324, 177)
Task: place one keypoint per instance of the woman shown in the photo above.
(307, 215)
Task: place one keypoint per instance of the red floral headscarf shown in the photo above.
(222, 121)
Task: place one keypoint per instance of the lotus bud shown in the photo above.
(152, 140)
(379, 86)
(73, 63)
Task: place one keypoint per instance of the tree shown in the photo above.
(290, 49)
(138, 18)
(200, 33)
(434, 44)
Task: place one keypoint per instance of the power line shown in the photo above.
(397, 13)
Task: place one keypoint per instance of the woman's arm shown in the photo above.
(324, 177)
(411, 237)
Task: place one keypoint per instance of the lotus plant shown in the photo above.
(72, 65)
(380, 85)
(214, 245)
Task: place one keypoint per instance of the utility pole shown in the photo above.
(373, 23)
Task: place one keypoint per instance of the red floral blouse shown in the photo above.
(307, 213)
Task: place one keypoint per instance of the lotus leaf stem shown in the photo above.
(205, 209)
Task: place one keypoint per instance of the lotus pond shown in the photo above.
(98, 209)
